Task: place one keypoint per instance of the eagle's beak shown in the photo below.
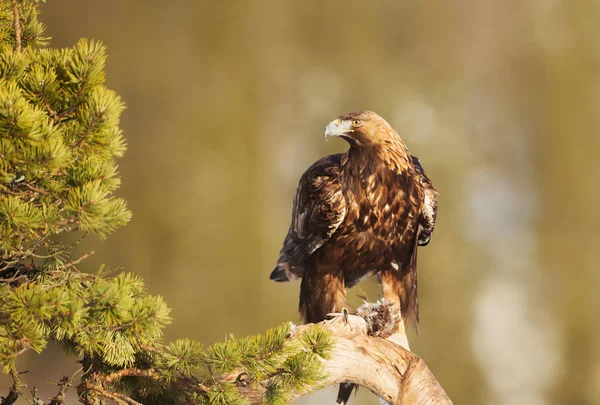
(337, 128)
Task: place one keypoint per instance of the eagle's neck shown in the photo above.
(372, 178)
(364, 160)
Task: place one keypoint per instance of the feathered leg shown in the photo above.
(394, 292)
(322, 292)
(399, 285)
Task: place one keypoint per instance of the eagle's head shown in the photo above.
(370, 136)
(362, 129)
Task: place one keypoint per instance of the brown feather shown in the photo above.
(322, 292)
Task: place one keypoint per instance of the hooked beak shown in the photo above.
(337, 128)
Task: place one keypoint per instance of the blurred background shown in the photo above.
(226, 104)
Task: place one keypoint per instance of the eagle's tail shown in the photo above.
(279, 274)
(344, 392)
(283, 270)
(409, 299)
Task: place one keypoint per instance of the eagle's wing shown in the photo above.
(405, 283)
(318, 210)
(429, 205)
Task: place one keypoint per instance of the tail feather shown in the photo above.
(409, 299)
(344, 392)
(400, 287)
(284, 271)
(279, 274)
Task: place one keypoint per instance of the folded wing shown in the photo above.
(318, 210)
(429, 205)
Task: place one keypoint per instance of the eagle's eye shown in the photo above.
(356, 123)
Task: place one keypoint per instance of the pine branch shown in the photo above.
(95, 122)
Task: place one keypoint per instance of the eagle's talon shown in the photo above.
(345, 315)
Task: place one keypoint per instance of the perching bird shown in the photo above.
(356, 214)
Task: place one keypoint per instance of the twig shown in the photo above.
(33, 188)
(14, 278)
(79, 241)
(51, 111)
(16, 257)
(8, 265)
(203, 388)
(70, 110)
(130, 372)
(76, 262)
(15, 390)
(18, 353)
(118, 398)
(64, 385)
(152, 349)
(17, 25)
(15, 193)
(35, 398)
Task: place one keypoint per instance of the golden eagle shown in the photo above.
(356, 214)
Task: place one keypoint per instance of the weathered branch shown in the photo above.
(60, 397)
(15, 390)
(77, 261)
(382, 366)
(114, 396)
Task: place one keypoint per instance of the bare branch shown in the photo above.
(130, 372)
(79, 241)
(33, 188)
(63, 385)
(382, 366)
(118, 398)
(15, 390)
(75, 262)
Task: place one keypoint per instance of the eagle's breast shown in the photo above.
(379, 227)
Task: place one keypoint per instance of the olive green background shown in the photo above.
(226, 103)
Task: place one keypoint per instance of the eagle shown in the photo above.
(358, 214)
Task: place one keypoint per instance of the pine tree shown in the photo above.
(59, 138)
